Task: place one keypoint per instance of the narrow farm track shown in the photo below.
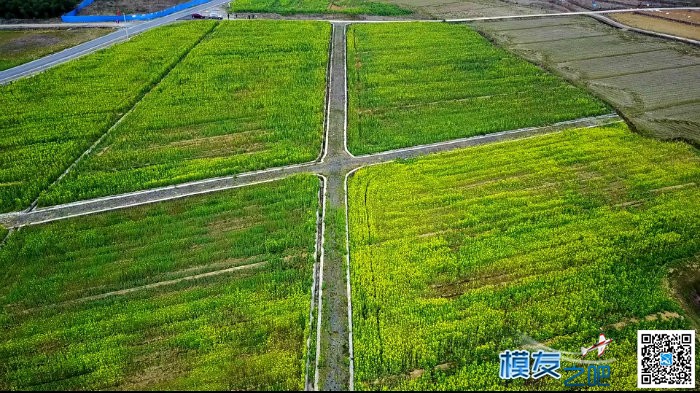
(159, 284)
(333, 373)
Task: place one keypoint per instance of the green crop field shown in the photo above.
(456, 257)
(417, 83)
(243, 326)
(21, 46)
(249, 96)
(350, 7)
(49, 120)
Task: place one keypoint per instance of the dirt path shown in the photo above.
(333, 372)
(159, 284)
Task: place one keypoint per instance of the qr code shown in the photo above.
(666, 358)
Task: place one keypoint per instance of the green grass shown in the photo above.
(417, 83)
(240, 330)
(49, 120)
(456, 256)
(249, 96)
(349, 7)
(21, 46)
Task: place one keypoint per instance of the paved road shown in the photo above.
(44, 63)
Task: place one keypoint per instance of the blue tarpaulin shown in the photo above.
(73, 17)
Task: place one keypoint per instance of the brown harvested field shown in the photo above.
(110, 7)
(654, 82)
(455, 9)
(680, 23)
(684, 16)
(622, 4)
(20, 46)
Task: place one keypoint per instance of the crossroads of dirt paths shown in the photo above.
(334, 361)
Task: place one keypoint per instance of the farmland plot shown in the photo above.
(641, 76)
(417, 83)
(679, 23)
(206, 293)
(633, 63)
(350, 7)
(250, 96)
(456, 257)
(563, 32)
(21, 46)
(49, 120)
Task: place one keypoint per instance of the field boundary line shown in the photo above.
(159, 284)
(555, 126)
(327, 112)
(351, 347)
(615, 55)
(314, 288)
(680, 67)
(139, 99)
(560, 39)
(675, 104)
(320, 286)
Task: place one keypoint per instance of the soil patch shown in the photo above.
(111, 7)
(664, 22)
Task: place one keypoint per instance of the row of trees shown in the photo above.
(35, 8)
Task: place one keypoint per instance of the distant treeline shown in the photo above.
(10, 9)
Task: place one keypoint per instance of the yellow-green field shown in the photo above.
(456, 257)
